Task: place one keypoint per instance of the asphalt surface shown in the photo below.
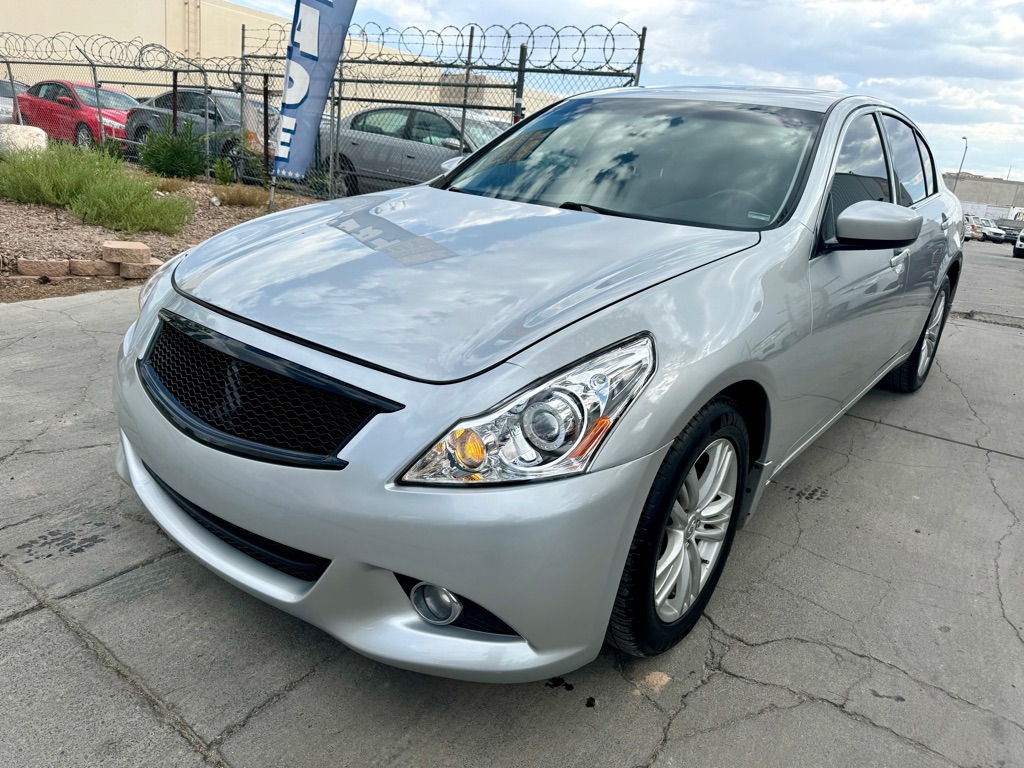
(871, 613)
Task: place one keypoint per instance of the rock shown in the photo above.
(94, 268)
(19, 138)
(138, 271)
(125, 252)
(38, 267)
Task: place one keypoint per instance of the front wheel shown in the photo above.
(909, 376)
(83, 137)
(684, 534)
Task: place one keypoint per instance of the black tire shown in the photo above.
(909, 376)
(346, 183)
(83, 137)
(635, 626)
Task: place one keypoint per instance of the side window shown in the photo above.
(37, 89)
(929, 166)
(432, 129)
(385, 122)
(5, 89)
(192, 102)
(906, 161)
(861, 172)
(163, 101)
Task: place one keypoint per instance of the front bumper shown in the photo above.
(545, 557)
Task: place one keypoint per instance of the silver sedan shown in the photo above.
(477, 427)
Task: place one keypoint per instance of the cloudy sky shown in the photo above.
(956, 67)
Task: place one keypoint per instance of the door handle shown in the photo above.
(899, 261)
(945, 222)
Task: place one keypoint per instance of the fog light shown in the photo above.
(435, 605)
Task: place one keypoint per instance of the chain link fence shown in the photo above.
(401, 103)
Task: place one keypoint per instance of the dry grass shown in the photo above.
(239, 194)
(172, 185)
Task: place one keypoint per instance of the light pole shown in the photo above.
(957, 179)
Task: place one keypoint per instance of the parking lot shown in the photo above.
(871, 613)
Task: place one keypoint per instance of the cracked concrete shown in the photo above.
(871, 613)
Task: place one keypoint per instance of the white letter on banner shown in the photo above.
(298, 85)
(306, 34)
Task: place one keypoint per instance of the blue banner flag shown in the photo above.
(319, 29)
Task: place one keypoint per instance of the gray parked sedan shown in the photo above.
(394, 146)
(477, 427)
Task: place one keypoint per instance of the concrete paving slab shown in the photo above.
(353, 712)
(61, 708)
(69, 551)
(14, 598)
(221, 653)
(975, 393)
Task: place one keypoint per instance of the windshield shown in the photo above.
(987, 223)
(725, 165)
(230, 108)
(108, 99)
(480, 132)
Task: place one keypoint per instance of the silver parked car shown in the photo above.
(476, 427)
(9, 89)
(394, 146)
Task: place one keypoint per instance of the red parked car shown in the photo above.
(67, 111)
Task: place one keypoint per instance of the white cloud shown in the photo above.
(956, 66)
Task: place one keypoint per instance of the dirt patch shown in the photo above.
(41, 232)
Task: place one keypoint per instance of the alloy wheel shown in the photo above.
(696, 530)
(930, 340)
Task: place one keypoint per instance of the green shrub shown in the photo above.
(96, 187)
(223, 172)
(131, 206)
(55, 176)
(179, 156)
(239, 194)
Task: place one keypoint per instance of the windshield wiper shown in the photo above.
(572, 205)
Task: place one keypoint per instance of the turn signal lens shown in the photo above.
(468, 448)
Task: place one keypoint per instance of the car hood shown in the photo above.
(436, 285)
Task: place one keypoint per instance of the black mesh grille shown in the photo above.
(287, 560)
(232, 391)
(474, 616)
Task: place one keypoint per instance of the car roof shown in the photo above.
(797, 98)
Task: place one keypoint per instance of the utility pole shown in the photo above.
(957, 179)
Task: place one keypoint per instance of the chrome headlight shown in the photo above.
(150, 284)
(550, 430)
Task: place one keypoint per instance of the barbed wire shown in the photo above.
(598, 47)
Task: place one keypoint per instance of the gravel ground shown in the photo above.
(41, 232)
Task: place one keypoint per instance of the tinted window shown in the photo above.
(36, 89)
(929, 166)
(5, 88)
(432, 129)
(108, 99)
(386, 122)
(713, 164)
(906, 160)
(860, 172)
(163, 101)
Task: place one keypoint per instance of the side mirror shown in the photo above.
(450, 163)
(870, 224)
(452, 144)
(66, 101)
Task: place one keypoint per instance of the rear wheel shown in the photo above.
(909, 376)
(684, 534)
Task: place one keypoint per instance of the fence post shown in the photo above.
(266, 124)
(465, 92)
(331, 148)
(241, 114)
(206, 117)
(96, 88)
(640, 56)
(174, 102)
(14, 94)
(517, 113)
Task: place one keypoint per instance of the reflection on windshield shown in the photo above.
(108, 99)
(724, 165)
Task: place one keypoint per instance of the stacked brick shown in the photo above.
(133, 261)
